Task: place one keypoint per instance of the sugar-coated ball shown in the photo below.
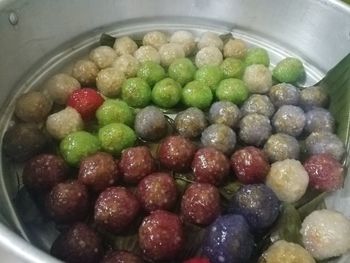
(326, 234)
(210, 39)
(64, 122)
(288, 179)
(185, 39)
(208, 56)
(127, 64)
(124, 45)
(258, 78)
(147, 53)
(286, 252)
(155, 39)
(103, 56)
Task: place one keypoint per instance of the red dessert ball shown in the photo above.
(78, 244)
(68, 202)
(200, 204)
(210, 166)
(44, 171)
(136, 163)
(86, 101)
(98, 171)
(325, 172)
(115, 209)
(157, 191)
(176, 153)
(161, 236)
(250, 165)
(197, 260)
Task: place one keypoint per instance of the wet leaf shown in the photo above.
(107, 40)
(261, 246)
(138, 42)
(153, 147)
(226, 37)
(171, 125)
(337, 84)
(182, 182)
(330, 260)
(288, 225)
(171, 111)
(229, 190)
(315, 204)
(307, 197)
(186, 177)
(29, 207)
(194, 239)
(128, 241)
(181, 186)
(261, 260)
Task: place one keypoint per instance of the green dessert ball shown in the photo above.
(197, 94)
(136, 92)
(289, 70)
(210, 75)
(116, 137)
(257, 56)
(151, 72)
(166, 93)
(78, 145)
(114, 111)
(232, 68)
(233, 90)
(182, 70)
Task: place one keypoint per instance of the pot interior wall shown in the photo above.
(33, 50)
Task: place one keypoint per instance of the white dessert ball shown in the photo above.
(185, 39)
(286, 252)
(60, 86)
(235, 48)
(288, 179)
(155, 39)
(103, 56)
(109, 81)
(326, 234)
(85, 71)
(124, 45)
(169, 52)
(147, 53)
(208, 56)
(258, 78)
(64, 122)
(210, 39)
(127, 64)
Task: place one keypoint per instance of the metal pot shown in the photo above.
(37, 37)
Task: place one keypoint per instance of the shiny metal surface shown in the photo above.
(39, 36)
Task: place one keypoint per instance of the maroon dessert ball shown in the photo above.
(157, 191)
(44, 171)
(176, 153)
(98, 171)
(78, 244)
(200, 204)
(210, 166)
(136, 163)
(250, 165)
(67, 202)
(23, 141)
(197, 260)
(325, 172)
(161, 236)
(115, 209)
(121, 256)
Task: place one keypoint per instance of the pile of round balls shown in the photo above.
(123, 164)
